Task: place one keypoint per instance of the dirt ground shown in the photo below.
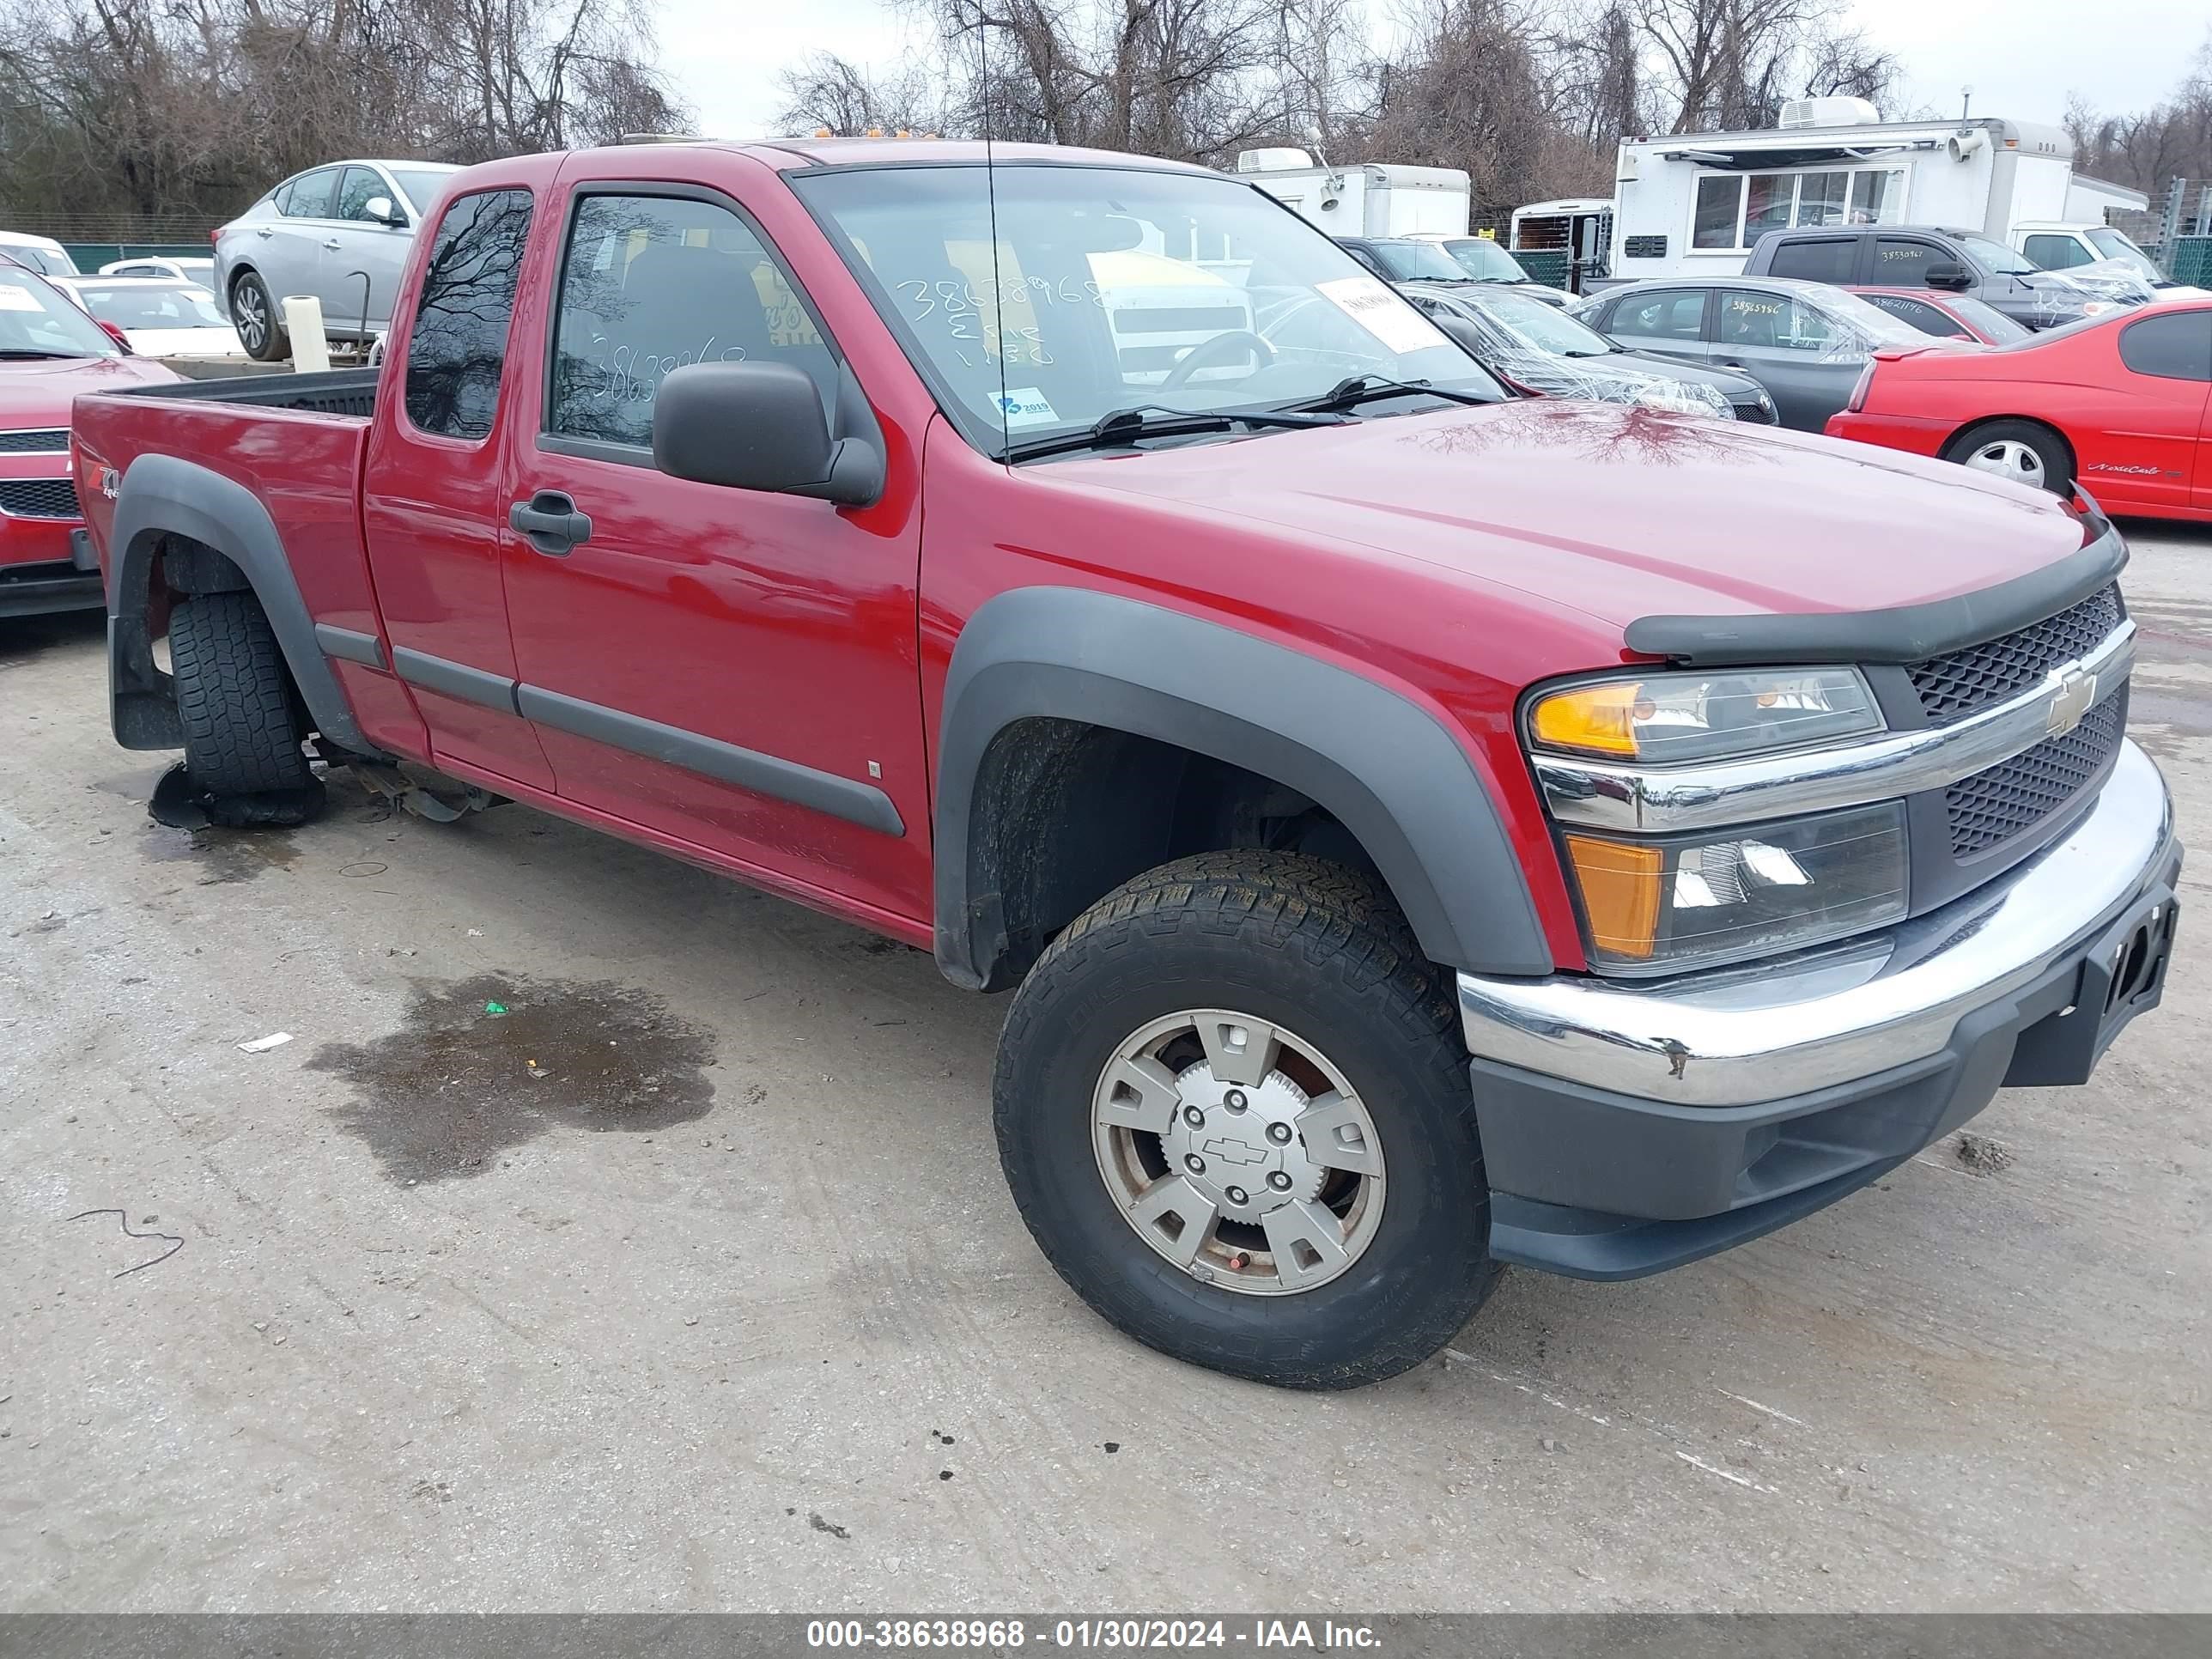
(714, 1298)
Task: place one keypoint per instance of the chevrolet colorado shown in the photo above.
(1422, 829)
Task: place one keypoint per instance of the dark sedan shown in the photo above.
(1547, 350)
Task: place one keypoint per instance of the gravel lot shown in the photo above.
(776, 1338)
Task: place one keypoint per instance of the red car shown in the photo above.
(50, 351)
(1947, 316)
(1374, 783)
(2116, 404)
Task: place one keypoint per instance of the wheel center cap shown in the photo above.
(1238, 1144)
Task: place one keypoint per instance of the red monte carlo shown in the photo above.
(1421, 829)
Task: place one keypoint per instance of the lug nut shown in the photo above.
(1279, 1180)
(1279, 1133)
(1235, 1101)
(1193, 1116)
(1193, 1163)
(1237, 1195)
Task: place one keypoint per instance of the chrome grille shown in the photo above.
(1960, 683)
(39, 498)
(35, 441)
(1992, 806)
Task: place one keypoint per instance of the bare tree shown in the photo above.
(190, 106)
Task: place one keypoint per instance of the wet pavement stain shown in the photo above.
(223, 855)
(455, 1087)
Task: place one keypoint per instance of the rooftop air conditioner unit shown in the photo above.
(1829, 113)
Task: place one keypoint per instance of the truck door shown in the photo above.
(434, 501)
(732, 670)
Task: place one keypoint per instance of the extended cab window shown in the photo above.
(2174, 348)
(1816, 259)
(652, 283)
(459, 344)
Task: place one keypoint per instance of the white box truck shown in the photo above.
(1696, 203)
(1367, 198)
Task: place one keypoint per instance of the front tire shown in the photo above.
(253, 315)
(1233, 1106)
(2026, 451)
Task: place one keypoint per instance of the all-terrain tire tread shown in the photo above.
(234, 698)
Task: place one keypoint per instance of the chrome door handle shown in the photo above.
(264, 232)
(332, 246)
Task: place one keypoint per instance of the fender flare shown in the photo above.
(1385, 767)
(165, 496)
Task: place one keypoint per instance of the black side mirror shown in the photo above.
(1957, 279)
(759, 426)
(1464, 335)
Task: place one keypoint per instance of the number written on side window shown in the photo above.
(653, 284)
(459, 344)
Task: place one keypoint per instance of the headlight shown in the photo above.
(1678, 397)
(1659, 906)
(1684, 717)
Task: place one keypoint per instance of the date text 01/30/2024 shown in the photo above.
(1120, 1634)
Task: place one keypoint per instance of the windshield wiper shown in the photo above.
(24, 353)
(1356, 389)
(1126, 426)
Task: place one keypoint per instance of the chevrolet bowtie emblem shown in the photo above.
(2077, 692)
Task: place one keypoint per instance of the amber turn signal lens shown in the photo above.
(1597, 719)
(1619, 885)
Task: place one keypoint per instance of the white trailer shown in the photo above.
(1695, 203)
(1367, 198)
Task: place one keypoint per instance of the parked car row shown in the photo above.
(1949, 345)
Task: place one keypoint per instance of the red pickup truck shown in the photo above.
(1422, 829)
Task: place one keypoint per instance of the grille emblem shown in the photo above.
(2077, 692)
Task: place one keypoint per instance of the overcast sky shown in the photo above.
(2022, 58)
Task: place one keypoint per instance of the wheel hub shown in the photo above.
(1239, 1146)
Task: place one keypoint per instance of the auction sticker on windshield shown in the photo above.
(1382, 313)
(13, 298)
(1026, 406)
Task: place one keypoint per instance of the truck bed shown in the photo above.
(350, 391)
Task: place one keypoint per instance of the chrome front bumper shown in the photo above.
(1736, 1036)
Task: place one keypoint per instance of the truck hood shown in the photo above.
(1621, 513)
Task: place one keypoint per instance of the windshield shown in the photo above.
(1114, 288)
(1996, 256)
(2113, 246)
(1419, 262)
(421, 186)
(134, 306)
(39, 258)
(1484, 260)
(35, 321)
(1542, 327)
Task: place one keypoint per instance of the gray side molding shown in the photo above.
(1396, 778)
(163, 495)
